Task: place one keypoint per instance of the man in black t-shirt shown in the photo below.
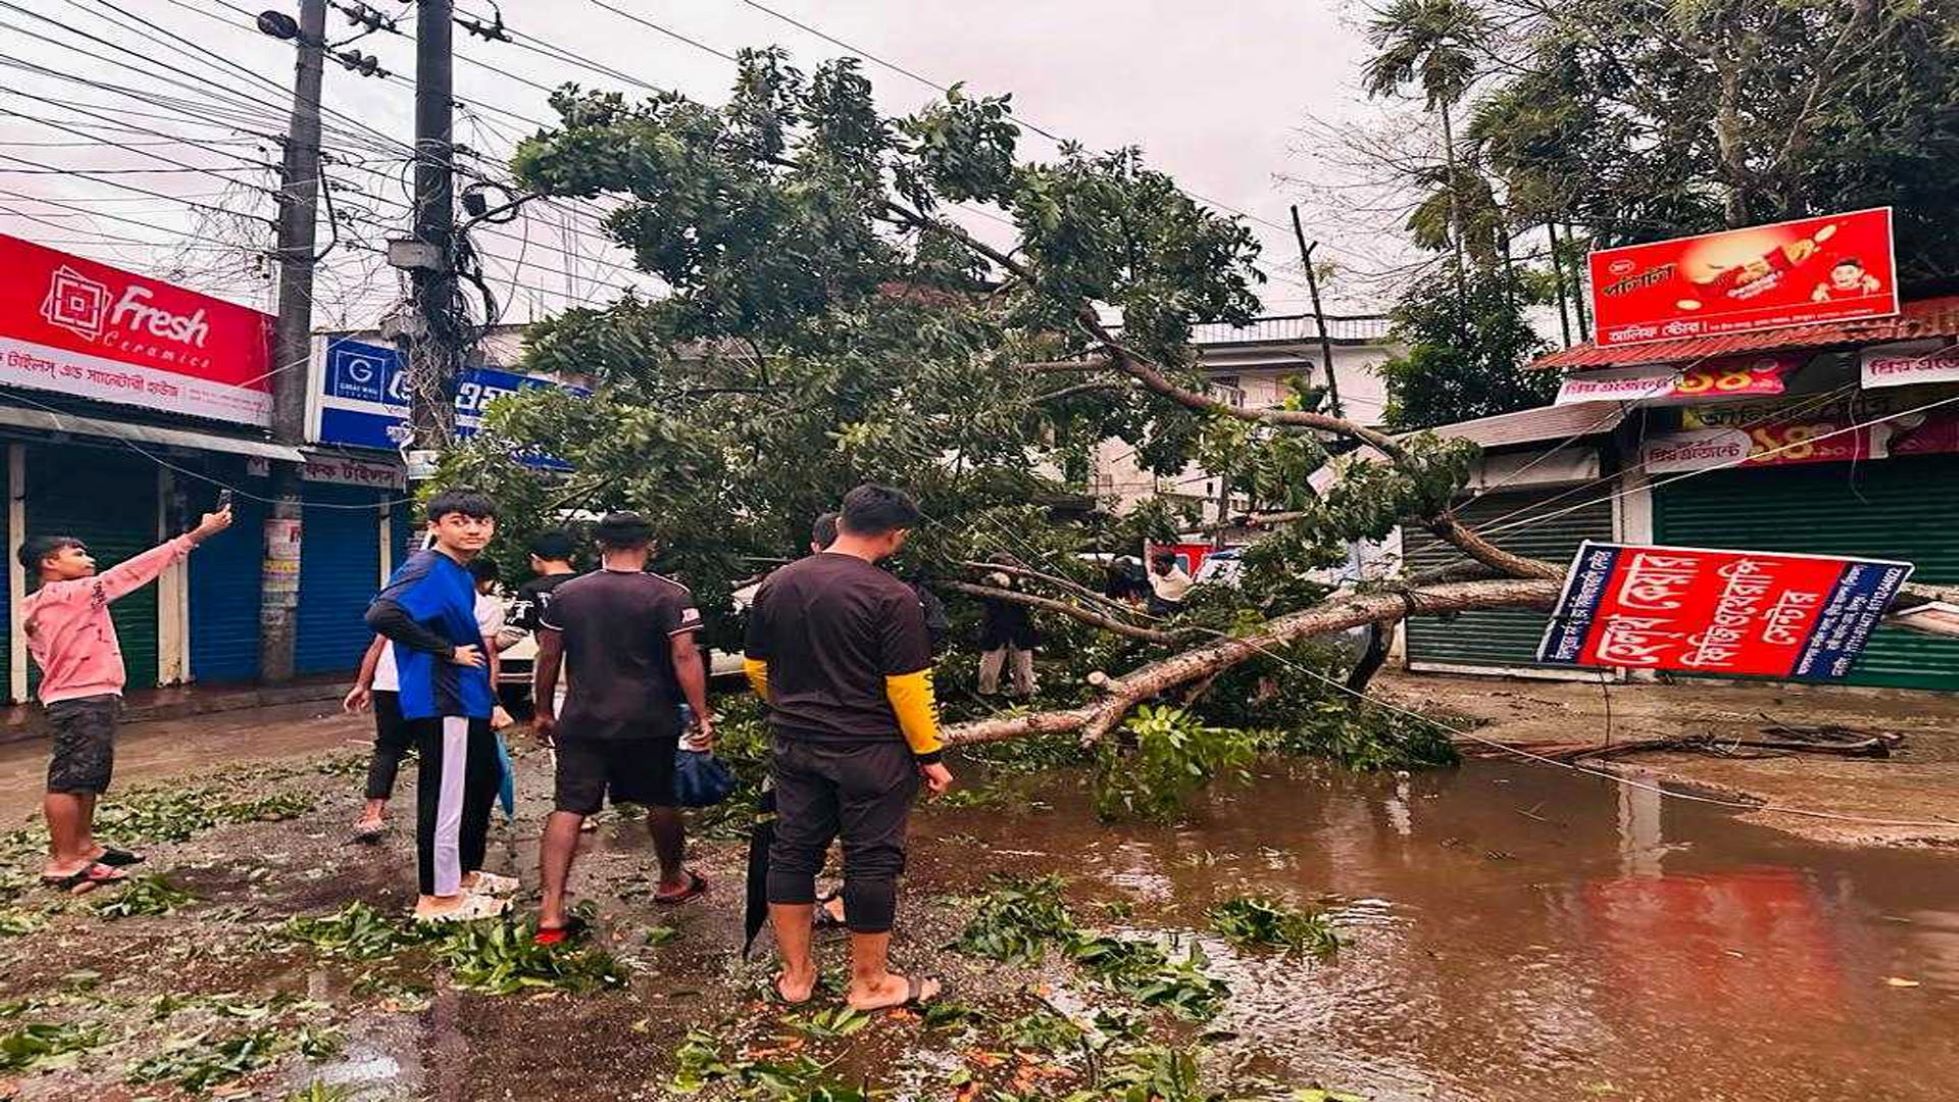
(551, 562)
(838, 649)
(627, 637)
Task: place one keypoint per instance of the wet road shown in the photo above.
(1522, 934)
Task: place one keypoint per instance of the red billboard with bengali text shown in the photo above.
(83, 328)
(1695, 610)
(1832, 268)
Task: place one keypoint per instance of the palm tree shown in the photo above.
(1432, 44)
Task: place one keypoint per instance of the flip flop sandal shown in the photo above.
(473, 908)
(574, 928)
(86, 878)
(915, 996)
(696, 887)
(489, 883)
(118, 858)
(776, 996)
(825, 920)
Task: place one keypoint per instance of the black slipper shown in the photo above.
(696, 887)
(775, 992)
(915, 997)
(574, 927)
(825, 920)
(118, 858)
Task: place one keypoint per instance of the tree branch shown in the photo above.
(1073, 612)
(1095, 720)
(1059, 582)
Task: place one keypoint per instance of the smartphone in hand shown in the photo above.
(224, 500)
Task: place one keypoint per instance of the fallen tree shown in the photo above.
(1119, 695)
(830, 322)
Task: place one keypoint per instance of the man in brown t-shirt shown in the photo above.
(628, 638)
(838, 648)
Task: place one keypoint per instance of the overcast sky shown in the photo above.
(1213, 92)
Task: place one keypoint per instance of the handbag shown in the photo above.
(700, 779)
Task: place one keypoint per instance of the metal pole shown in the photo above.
(1319, 316)
(299, 186)
(433, 348)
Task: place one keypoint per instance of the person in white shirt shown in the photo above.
(1169, 584)
(378, 686)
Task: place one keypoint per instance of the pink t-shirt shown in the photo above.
(69, 632)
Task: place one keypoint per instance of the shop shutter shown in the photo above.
(1504, 637)
(108, 500)
(339, 572)
(1904, 508)
(225, 578)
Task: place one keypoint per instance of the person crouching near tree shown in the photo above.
(73, 641)
(428, 610)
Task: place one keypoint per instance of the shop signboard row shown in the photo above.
(361, 398)
(1733, 613)
(1671, 384)
(1832, 268)
(1862, 425)
(78, 327)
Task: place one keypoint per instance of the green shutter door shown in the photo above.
(108, 500)
(1888, 509)
(1504, 637)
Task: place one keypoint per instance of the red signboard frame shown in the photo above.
(1731, 613)
(80, 327)
(1833, 267)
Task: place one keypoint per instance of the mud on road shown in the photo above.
(1507, 933)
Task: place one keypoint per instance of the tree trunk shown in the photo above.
(1455, 201)
(1557, 278)
(1092, 721)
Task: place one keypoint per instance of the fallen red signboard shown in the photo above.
(75, 326)
(1831, 268)
(1759, 613)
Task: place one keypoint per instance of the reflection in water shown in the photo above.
(1518, 934)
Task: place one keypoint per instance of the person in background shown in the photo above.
(72, 639)
(837, 648)
(629, 640)
(1169, 584)
(378, 686)
(1006, 633)
(551, 566)
(428, 610)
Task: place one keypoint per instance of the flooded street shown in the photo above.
(1520, 933)
(1510, 933)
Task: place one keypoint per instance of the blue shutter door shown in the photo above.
(225, 580)
(1904, 508)
(107, 498)
(339, 572)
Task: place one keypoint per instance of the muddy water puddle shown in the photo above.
(1519, 933)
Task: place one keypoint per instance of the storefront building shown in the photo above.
(1837, 438)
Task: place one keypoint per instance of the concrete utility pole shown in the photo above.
(1319, 316)
(299, 186)
(434, 354)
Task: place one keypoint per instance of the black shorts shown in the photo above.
(84, 733)
(636, 771)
